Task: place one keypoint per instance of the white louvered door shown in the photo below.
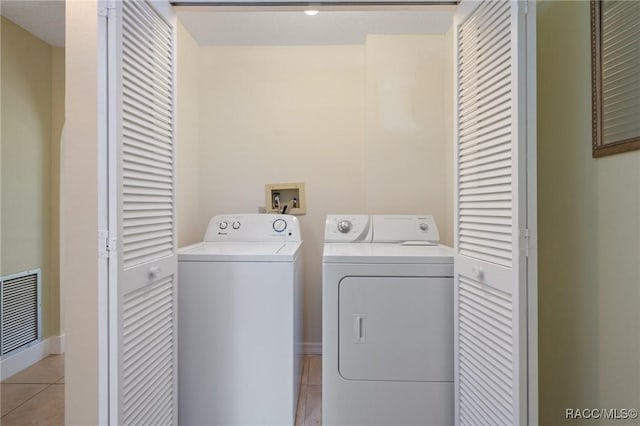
(495, 122)
(143, 261)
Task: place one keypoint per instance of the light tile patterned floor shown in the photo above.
(35, 395)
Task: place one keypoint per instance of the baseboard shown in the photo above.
(28, 356)
(56, 344)
(312, 348)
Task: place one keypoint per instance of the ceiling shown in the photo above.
(246, 25)
(292, 27)
(42, 18)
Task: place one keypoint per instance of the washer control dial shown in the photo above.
(223, 225)
(344, 226)
(424, 226)
(279, 225)
(235, 225)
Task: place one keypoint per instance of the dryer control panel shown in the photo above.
(347, 228)
(253, 228)
(406, 229)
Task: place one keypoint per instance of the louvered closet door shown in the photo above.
(143, 300)
(491, 214)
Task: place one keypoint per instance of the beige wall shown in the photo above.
(405, 134)
(284, 114)
(363, 126)
(32, 114)
(79, 261)
(187, 140)
(589, 236)
(57, 123)
(446, 233)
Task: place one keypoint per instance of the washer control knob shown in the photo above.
(279, 225)
(424, 226)
(235, 225)
(344, 226)
(223, 225)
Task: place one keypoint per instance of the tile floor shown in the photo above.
(309, 411)
(35, 396)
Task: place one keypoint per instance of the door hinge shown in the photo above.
(104, 7)
(106, 244)
(525, 242)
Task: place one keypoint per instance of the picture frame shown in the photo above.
(615, 82)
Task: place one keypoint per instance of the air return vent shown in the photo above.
(21, 320)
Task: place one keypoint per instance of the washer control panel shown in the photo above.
(280, 225)
(253, 228)
(347, 228)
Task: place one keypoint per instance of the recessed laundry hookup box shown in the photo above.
(286, 198)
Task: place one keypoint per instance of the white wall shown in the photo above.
(363, 126)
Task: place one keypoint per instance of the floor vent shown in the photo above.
(21, 314)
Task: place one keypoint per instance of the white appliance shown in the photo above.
(387, 322)
(240, 322)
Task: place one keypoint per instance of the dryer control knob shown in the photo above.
(279, 225)
(424, 226)
(223, 225)
(344, 226)
(235, 225)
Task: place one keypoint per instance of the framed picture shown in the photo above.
(615, 61)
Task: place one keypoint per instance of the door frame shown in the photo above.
(103, 214)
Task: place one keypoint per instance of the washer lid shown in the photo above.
(239, 252)
(386, 253)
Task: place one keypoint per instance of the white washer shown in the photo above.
(387, 322)
(240, 322)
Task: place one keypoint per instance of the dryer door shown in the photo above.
(396, 328)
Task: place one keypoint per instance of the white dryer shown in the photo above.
(240, 322)
(387, 322)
